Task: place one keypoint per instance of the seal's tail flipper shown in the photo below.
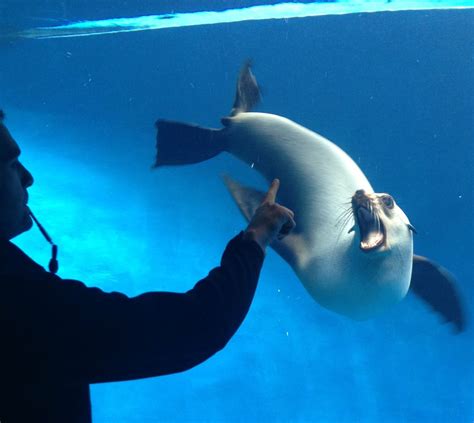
(434, 284)
(247, 93)
(181, 143)
(292, 248)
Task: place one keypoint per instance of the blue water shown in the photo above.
(395, 90)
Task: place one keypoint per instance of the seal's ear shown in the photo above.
(437, 287)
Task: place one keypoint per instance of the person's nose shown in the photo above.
(27, 178)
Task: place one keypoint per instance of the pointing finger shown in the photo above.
(270, 197)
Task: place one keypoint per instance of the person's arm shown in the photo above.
(75, 333)
(84, 334)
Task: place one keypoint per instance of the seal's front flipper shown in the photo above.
(292, 248)
(248, 199)
(436, 286)
(180, 143)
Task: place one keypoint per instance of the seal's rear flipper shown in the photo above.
(247, 93)
(181, 143)
(436, 286)
(292, 248)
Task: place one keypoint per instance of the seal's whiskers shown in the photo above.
(344, 218)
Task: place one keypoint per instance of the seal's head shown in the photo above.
(380, 221)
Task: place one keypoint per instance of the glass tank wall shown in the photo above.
(394, 89)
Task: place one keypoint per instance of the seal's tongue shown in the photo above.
(371, 230)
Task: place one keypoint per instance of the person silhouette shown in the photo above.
(59, 335)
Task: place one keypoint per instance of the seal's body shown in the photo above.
(352, 248)
(317, 181)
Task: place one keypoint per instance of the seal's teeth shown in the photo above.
(373, 242)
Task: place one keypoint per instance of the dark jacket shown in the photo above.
(58, 336)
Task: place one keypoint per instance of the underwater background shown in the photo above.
(394, 90)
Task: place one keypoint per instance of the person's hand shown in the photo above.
(271, 220)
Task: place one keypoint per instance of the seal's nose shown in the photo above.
(360, 199)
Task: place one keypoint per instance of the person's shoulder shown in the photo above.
(14, 261)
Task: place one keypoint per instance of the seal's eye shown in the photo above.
(388, 201)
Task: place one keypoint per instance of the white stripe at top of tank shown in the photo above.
(261, 12)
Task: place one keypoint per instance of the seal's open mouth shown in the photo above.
(372, 231)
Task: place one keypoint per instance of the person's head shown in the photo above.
(14, 181)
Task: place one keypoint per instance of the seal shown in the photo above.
(352, 248)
